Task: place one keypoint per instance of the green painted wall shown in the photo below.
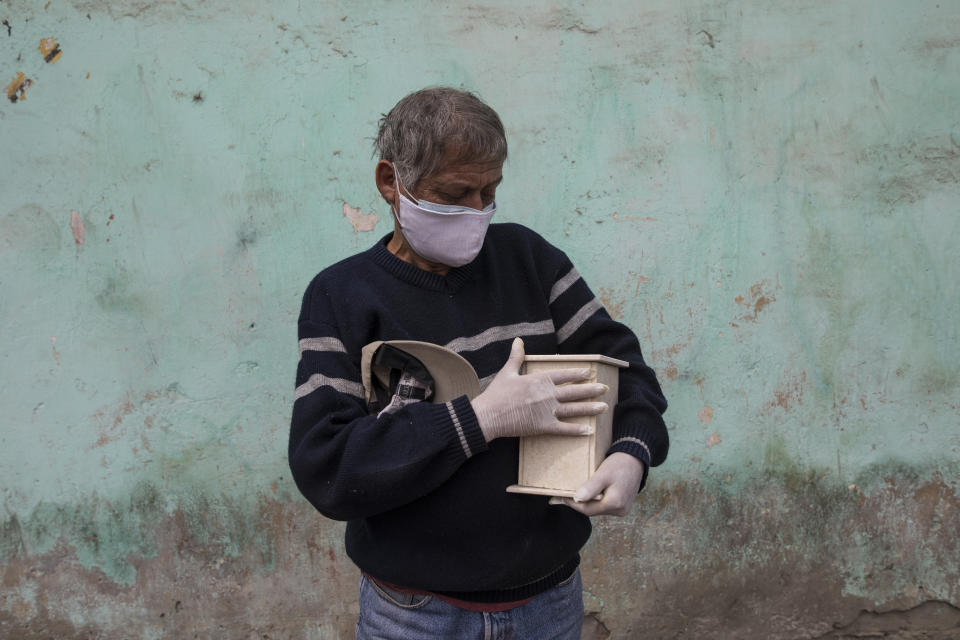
(767, 192)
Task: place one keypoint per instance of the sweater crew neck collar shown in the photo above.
(402, 270)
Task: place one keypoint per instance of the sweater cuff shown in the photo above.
(466, 427)
(636, 448)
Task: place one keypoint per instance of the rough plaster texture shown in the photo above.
(766, 191)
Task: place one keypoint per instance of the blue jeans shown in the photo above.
(555, 614)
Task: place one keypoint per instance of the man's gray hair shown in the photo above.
(423, 127)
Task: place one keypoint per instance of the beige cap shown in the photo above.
(452, 374)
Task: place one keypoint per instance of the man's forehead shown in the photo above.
(467, 173)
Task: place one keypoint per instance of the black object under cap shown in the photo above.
(399, 362)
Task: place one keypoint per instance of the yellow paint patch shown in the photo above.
(50, 49)
(17, 89)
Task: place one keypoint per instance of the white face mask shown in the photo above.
(447, 234)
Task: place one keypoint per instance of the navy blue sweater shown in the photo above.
(423, 493)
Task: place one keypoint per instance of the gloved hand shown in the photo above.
(618, 480)
(525, 405)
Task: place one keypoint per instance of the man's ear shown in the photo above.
(386, 179)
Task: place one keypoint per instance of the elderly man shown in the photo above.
(444, 550)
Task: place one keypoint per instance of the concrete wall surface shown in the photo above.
(766, 191)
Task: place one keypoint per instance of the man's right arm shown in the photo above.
(350, 464)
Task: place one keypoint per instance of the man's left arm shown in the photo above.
(640, 438)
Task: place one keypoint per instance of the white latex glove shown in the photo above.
(617, 478)
(515, 405)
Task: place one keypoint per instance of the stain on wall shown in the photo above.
(765, 192)
(787, 553)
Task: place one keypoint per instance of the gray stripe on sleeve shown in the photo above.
(563, 284)
(322, 344)
(578, 319)
(339, 384)
(459, 428)
(636, 440)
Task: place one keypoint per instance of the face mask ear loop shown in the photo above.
(400, 188)
(395, 206)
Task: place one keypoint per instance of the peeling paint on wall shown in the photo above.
(17, 89)
(359, 220)
(50, 50)
(758, 298)
(76, 224)
(789, 393)
(613, 306)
